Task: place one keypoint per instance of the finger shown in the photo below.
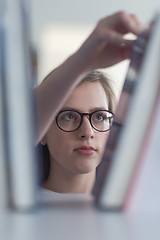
(136, 25)
(123, 23)
(116, 38)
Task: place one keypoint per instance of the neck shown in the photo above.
(62, 181)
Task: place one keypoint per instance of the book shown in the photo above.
(122, 149)
(3, 159)
(19, 109)
(144, 193)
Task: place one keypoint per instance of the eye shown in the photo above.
(100, 116)
(68, 116)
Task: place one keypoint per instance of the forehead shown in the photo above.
(87, 96)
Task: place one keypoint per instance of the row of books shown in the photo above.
(128, 176)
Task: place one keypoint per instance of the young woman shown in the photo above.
(76, 139)
(73, 145)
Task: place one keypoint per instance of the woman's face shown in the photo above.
(80, 151)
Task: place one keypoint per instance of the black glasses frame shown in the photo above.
(82, 115)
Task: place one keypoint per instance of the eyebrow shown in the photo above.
(91, 110)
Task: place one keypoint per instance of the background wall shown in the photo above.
(59, 27)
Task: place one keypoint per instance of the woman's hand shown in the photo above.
(106, 45)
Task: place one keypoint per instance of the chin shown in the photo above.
(85, 165)
(86, 169)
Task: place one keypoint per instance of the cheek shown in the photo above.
(103, 140)
(57, 142)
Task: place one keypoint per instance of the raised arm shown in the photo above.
(104, 47)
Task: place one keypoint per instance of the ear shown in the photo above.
(44, 141)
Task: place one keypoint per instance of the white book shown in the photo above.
(144, 193)
(3, 160)
(20, 127)
(119, 174)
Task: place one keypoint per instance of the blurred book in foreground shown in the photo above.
(3, 158)
(144, 193)
(19, 108)
(122, 152)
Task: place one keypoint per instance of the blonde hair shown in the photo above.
(103, 79)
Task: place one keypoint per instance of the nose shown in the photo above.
(86, 130)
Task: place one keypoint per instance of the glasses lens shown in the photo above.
(102, 120)
(68, 120)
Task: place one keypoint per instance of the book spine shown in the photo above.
(20, 123)
(144, 193)
(3, 160)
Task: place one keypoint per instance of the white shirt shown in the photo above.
(48, 196)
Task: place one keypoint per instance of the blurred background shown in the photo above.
(59, 27)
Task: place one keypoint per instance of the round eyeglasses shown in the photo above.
(71, 120)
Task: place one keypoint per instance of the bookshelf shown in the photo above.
(78, 220)
(66, 217)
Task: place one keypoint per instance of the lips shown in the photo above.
(85, 150)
